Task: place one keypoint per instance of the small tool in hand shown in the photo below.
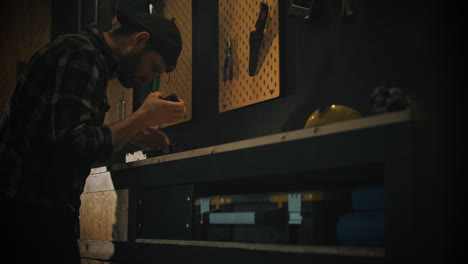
(227, 69)
(172, 97)
(155, 88)
(155, 84)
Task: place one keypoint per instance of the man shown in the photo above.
(52, 129)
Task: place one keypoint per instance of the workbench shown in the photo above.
(142, 211)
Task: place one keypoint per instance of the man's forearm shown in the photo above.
(125, 130)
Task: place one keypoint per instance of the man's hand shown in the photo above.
(154, 112)
(158, 111)
(152, 138)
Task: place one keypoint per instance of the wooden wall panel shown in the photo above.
(25, 27)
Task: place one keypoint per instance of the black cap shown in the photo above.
(165, 37)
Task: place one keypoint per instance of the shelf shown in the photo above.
(106, 250)
(323, 130)
(376, 252)
(319, 148)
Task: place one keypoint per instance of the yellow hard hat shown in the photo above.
(331, 114)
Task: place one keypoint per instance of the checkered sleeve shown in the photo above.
(77, 107)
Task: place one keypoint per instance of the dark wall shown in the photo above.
(323, 62)
(71, 16)
(65, 17)
(415, 45)
(409, 44)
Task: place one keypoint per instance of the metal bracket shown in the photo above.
(204, 207)
(294, 208)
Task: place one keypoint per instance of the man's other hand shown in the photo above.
(152, 138)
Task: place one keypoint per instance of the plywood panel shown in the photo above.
(236, 20)
(180, 80)
(104, 215)
(97, 249)
(25, 27)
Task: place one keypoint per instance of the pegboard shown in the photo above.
(120, 100)
(236, 20)
(180, 80)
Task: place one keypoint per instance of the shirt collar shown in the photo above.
(99, 41)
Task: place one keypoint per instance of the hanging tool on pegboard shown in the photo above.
(227, 68)
(256, 39)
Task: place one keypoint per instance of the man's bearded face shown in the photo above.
(129, 64)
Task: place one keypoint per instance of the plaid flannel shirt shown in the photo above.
(52, 128)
